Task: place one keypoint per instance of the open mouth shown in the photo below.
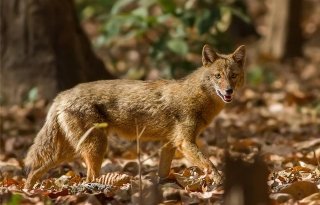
(226, 98)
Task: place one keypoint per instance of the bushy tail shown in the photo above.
(43, 149)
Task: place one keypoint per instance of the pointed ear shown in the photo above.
(239, 55)
(208, 55)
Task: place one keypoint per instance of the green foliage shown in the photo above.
(33, 95)
(15, 199)
(260, 75)
(171, 29)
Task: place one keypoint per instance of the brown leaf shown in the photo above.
(10, 181)
(298, 97)
(300, 189)
(312, 199)
(70, 173)
(54, 195)
(245, 145)
(300, 169)
(50, 183)
(75, 179)
(129, 154)
(192, 179)
(87, 199)
(281, 197)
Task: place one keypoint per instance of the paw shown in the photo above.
(213, 171)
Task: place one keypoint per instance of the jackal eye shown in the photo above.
(218, 76)
(233, 75)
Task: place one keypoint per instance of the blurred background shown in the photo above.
(166, 37)
(51, 45)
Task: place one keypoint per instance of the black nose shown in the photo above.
(229, 91)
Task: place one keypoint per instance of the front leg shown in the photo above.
(196, 157)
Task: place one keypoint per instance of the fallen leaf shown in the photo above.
(312, 199)
(114, 179)
(192, 179)
(300, 189)
(9, 181)
(54, 195)
(245, 146)
(281, 197)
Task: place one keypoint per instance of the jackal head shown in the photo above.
(224, 73)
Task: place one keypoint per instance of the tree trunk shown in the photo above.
(294, 40)
(43, 47)
(284, 36)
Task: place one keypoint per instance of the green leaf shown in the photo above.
(88, 12)
(178, 46)
(142, 12)
(180, 31)
(113, 26)
(241, 14)
(225, 21)
(207, 19)
(33, 94)
(15, 199)
(147, 3)
(168, 6)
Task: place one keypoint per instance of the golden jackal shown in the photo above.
(173, 111)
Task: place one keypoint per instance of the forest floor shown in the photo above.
(266, 143)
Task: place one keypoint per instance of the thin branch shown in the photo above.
(139, 158)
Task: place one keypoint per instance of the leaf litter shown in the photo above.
(279, 122)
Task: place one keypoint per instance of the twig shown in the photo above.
(155, 153)
(139, 158)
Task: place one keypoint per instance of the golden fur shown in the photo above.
(174, 111)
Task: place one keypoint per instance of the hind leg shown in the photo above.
(92, 152)
(90, 143)
(93, 162)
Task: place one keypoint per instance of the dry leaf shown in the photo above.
(129, 154)
(70, 173)
(300, 189)
(300, 169)
(192, 179)
(245, 145)
(313, 199)
(281, 197)
(54, 195)
(10, 181)
(114, 179)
